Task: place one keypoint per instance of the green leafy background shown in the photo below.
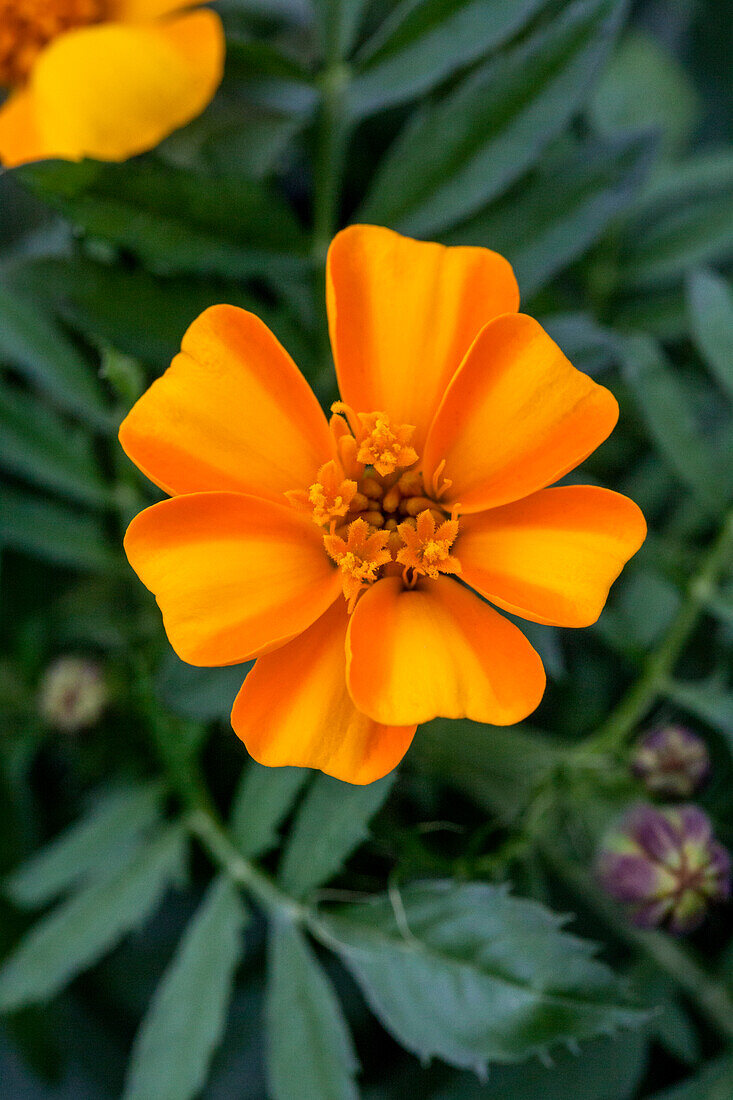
(175, 920)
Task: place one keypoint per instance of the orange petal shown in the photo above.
(437, 649)
(233, 575)
(516, 417)
(403, 314)
(294, 708)
(113, 90)
(553, 556)
(20, 140)
(231, 412)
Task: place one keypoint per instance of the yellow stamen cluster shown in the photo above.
(359, 557)
(26, 26)
(329, 497)
(385, 446)
(378, 518)
(427, 547)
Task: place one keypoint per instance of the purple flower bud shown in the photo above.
(72, 694)
(665, 866)
(671, 761)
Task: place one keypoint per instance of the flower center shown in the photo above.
(378, 516)
(26, 26)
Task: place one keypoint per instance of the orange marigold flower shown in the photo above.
(358, 559)
(102, 78)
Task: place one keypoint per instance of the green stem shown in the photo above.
(215, 839)
(660, 664)
(710, 996)
(331, 147)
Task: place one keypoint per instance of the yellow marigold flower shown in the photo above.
(277, 515)
(102, 78)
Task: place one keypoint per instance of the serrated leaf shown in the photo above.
(683, 220)
(37, 347)
(466, 973)
(54, 533)
(78, 932)
(499, 768)
(37, 445)
(604, 1069)
(187, 1015)
(710, 307)
(108, 833)
(713, 1082)
(203, 694)
(669, 102)
(310, 1054)
(331, 823)
(454, 157)
(555, 215)
(666, 410)
(421, 44)
(262, 801)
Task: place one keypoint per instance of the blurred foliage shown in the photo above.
(177, 921)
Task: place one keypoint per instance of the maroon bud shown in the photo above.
(665, 866)
(671, 761)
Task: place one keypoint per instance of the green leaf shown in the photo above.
(603, 1069)
(714, 1082)
(262, 801)
(453, 157)
(683, 220)
(37, 347)
(666, 410)
(466, 973)
(137, 313)
(420, 44)
(589, 347)
(177, 222)
(554, 216)
(498, 768)
(199, 693)
(79, 931)
(337, 22)
(187, 1015)
(331, 823)
(54, 533)
(113, 827)
(36, 444)
(644, 87)
(708, 701)
(310, 1054)
(710, 306)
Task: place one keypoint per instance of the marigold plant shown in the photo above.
(424, 497)
(102, 78)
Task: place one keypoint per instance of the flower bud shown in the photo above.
(671, 761)
(665, 866)
(73, 694)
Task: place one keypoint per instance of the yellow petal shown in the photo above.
(233, 576)
(437, 649)
(403, 314)
(231, 412)
(114, 90)
(553, 556)
(516, 417)
(294, 708)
